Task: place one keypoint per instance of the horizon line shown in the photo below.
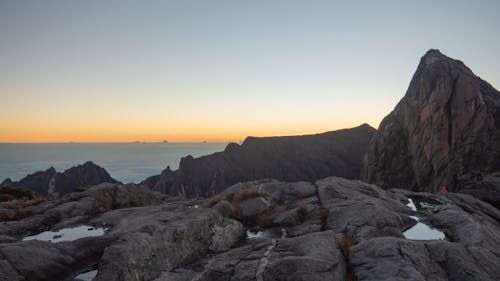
(123, 142)
(166, 141)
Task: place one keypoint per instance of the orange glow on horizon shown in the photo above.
(60, 134)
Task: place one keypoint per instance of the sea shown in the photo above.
(126, 162)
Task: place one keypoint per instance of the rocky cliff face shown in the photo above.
(50, 182)
(446, 125)
(293, 158)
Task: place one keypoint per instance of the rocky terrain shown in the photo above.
(331, 229)
(294, 158)
(52, 183)
(304, 225)
(445, 130)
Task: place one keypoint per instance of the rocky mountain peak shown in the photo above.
(447, 124)
(432, 55)
(433, 58)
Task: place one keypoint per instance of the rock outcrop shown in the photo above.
(145, 234)
(331, 229)
(293, 158)
(446, 125)
(50, 182)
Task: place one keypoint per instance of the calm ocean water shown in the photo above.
(126, 162)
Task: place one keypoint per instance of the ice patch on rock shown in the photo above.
(422, 231)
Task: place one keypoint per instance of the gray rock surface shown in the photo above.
(483, 186)
(160, 238)
(311, 257)
(362, 210)
(271, 203)
(446, 125)
(251, 208)
(89, 203)
(388, 258)
(139, 242)
(346, 229)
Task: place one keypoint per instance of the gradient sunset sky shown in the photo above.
(119, 71)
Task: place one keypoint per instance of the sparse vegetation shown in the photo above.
(449, 235)
(80, 189)
(6, 197)
(265, 219)
(323, 215)
(212, 201)
(104, 201)
(351, 276)
(302, 212)
(14, 200)
(17, 192)
(236, 198)
(345, 245)
(13, 214)
(249, 193)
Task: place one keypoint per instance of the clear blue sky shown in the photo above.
(221, 70)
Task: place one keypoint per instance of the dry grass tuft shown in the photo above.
(249, 193)
(212, 201)
(104, 201)
(323, 215)
(6, 197)
(302, 212)
(235, 200)
(14, 214)
(345, 245)
(351, 276)
(265, 219)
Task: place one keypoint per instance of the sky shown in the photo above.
(189, 71)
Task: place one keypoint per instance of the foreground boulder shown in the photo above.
(311, 257)
(77, 206)
(362, 210)
(52, 183)
(483, 186)
(293, 158)
(398, 259)
(446, 125)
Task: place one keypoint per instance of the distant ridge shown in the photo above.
(50, 182)
(289, 158)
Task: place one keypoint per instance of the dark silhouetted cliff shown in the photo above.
(290, 158)
(49, 182)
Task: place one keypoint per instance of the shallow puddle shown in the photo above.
(86, 276)
(255, 235)
(422, 231)
(67, 234)
(264, 234)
